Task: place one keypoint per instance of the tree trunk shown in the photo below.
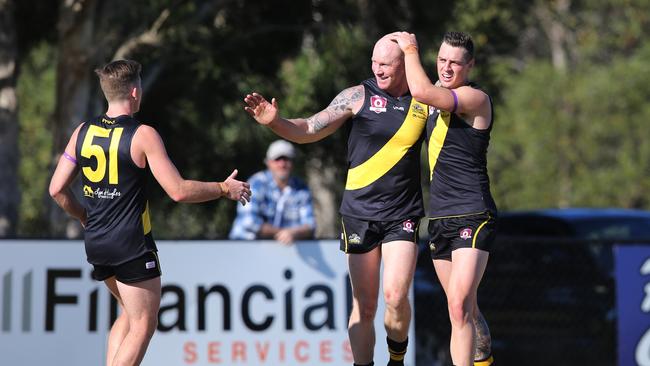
(560, 37)
(74, 96)
(553, 16)
(10, 196)
(324, 185)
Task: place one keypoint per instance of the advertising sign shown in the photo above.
(223, 303)
(633, 304)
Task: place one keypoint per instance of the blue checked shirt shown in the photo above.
(288, 208)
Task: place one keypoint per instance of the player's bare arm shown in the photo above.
(471, 104)
(474, 107)
(420, 85)
(304, 130)
(345, 105)
(148, 147)
(65, 171)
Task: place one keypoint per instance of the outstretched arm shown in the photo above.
(65, 171)
(149, 146)
(303, 130)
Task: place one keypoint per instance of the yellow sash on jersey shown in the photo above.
(390, 154)
(438, 139)
(146, 220)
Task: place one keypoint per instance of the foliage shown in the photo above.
(574, 139)
(561, 137)
(208, 68)
(35, 91)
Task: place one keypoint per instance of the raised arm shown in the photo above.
(66, 170)
(471, 103)
(148, 147)
(420, 85)
(304, 130)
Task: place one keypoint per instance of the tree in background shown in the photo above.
(568, 123)
(568, 91)
(10, 197)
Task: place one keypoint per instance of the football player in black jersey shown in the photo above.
(382, 202)
(113, 152)
(462, 221)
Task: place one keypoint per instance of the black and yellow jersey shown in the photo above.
(114, 192)
(383, 181)
(458, 166)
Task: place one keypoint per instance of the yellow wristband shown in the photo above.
(410, 49)
(224, 188)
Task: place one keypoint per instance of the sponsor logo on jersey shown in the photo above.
(378, 104)
(88, 192)
(354, 239)
(150, 265)
(103, 193)
(108, 121)
(418, 111)
(408, 226)
(466, 233)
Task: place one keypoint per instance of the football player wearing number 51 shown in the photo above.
(113, 152)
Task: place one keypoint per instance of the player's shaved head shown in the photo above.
(388, 67)
(387, 49)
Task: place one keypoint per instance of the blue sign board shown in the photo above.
(633, 304)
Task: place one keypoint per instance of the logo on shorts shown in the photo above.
(378, 104)
(150, 265)
(408, 226)
(432, 246)
(466, 233)
(354, 239)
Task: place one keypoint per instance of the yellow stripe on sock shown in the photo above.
(396, 355)
(486, 362)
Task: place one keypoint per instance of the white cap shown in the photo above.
(280, 148)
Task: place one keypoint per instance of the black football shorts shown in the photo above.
(361, 236)
(140, 269)
(447, 234)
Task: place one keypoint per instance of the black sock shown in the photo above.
(372, 363)
(397, 351)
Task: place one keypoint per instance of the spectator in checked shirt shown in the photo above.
(281, 207)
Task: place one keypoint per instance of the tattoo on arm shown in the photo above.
(346, 98)
(341, 105)
(319, 121)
